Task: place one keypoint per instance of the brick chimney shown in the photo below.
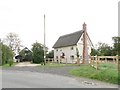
(85, 50)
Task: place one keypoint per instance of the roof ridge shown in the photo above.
(68, 39)
(71, 33)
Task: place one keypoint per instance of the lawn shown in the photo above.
(107, 72)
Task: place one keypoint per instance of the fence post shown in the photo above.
(105, 59)
(66, 60)
(96, 62)
(90, 60)
(98, 59)
(52, 60)
(113, 60)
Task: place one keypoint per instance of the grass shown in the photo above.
(7, 65)
(107, 73)
(55, 65)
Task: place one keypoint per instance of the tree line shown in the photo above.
(104, 49)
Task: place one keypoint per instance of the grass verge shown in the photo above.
(106, 73)
(7, 65)
(55, 65)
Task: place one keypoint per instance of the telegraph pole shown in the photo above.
(44, 42)
(0, 52)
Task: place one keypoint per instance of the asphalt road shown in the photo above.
(27, 79)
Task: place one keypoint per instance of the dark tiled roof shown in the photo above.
(68, 40)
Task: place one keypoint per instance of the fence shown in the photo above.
(49, 60)
(95, 60)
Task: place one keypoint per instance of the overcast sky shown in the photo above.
(26, 18)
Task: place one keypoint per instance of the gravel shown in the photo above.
(52, 70)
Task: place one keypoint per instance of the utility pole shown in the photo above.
(0, 52)
(44, 42)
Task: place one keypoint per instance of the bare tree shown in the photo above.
(13, 41)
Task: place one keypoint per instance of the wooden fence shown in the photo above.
(49, 60)
(95, 60)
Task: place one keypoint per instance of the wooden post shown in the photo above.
(113, 60)
(78, 61)
(59, 60)
(105, 59)
(90, 60)
(52, 60)
(96, 62)
(98, 59)
(66, 60)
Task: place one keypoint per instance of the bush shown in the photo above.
(10, 62)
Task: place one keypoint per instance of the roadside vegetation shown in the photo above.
(107, 72)
(55, 65)
(8, 65)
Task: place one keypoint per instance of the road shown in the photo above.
(27, 79)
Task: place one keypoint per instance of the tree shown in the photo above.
(104, 49)
(37, 53)
(13, 41)
(50, 54)
(7, 54)
(116, 45)
(94, 52)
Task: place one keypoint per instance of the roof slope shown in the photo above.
(68, 40)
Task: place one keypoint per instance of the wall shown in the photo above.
(68, 52)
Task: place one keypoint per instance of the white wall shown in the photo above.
(68, 52)
(80, 45)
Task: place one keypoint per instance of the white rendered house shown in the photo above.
(70, 45)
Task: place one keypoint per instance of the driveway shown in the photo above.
(23, 64)
(27, 79)
(56, 75)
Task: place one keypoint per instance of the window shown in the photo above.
(56, 57)
(72, 48)
(72, 57)
(81, 39)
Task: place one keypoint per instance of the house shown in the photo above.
(68, 47)
(24, 55)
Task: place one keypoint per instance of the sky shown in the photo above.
(26, 18)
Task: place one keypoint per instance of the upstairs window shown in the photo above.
(81, 39)
(72, 48)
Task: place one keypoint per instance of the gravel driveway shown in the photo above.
(53, 70)
(64, 71)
